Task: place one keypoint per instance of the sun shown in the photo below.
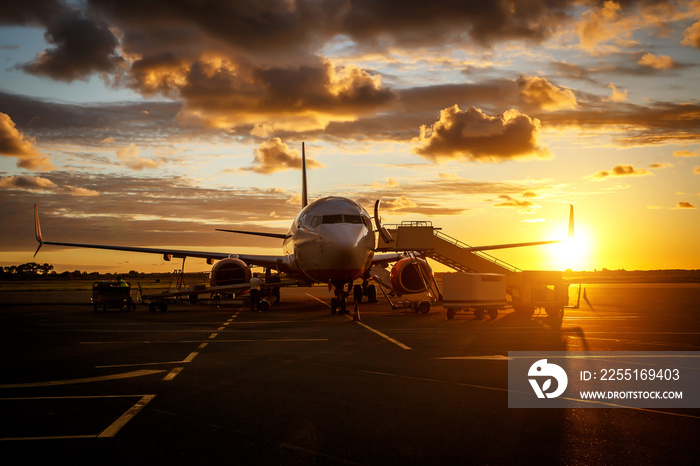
(574, 254)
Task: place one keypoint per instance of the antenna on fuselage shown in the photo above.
(304, 194)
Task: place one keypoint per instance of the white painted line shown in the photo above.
(190, 356)
(171, 375)
(203, 345)
(387, 337)
(220, 329)
(213, 335)
(319, 300)
(116, 426)
(125, 375)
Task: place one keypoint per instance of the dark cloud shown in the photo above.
(475, 136)
(170, 211)
(685, 205)
(81, 47)
(274, 155)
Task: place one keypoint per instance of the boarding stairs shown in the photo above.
(528, 289)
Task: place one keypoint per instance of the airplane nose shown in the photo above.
(344, 246)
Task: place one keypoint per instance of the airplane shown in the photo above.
(331, 241)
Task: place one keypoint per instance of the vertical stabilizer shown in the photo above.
(571, 222)
(304, 192)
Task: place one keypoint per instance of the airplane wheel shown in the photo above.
(275, 295)
(334, 306)
(493, 313)
(424, 307)
(264, 305)
(357, 293)
(152, 307)
(343, 307)
(479, 314)
(372, 294)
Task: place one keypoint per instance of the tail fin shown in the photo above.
(304, 192)
(571, 222)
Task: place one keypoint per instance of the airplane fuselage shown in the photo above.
(331, 240)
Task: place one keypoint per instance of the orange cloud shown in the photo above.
(15, 144)
(40, 184)
(658, 62)
(130, 156)
(543, 94)
(617, 96)
(685, 205)
(475, 136)
(618, 171)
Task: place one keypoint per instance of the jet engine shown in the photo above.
(229, 272)
(406, 277)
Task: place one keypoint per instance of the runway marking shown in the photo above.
(173, 372)
(190, 356)
(116, 426)
(386, 337)
(221, 328)
(319, 300)
(52, 383)
(110, 431)
(203, 345)
(213, 335)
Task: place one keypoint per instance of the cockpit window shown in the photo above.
(330, 219)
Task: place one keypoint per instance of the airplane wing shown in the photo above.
(276, 262)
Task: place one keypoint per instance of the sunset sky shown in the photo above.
(153, 122)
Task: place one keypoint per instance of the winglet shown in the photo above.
(37, 229)
(571, 221)
(304, 193)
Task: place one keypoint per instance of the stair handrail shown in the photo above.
(483, 255)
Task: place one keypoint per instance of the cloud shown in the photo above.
(691, 36)
(685, 205)
(81, 43)
(696, 170)
(544, 95)
(617, 95)
(658, 62)
(130, 157)
(620, 170)
(15, 144)
(599, 25)
(686, 153)
(511, 202)
(475, 136)
(40, 184)
(273, 155)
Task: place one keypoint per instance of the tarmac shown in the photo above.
(207, 384)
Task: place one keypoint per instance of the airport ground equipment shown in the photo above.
(477, 292)
(528, 289)
(109, 294)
